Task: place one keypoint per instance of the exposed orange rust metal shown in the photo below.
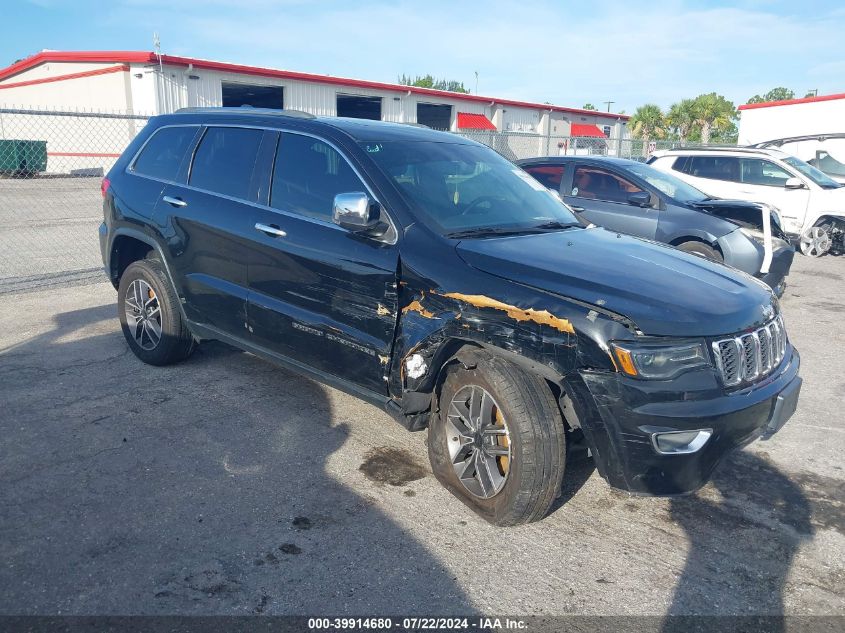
(543, 317)
(416, 306)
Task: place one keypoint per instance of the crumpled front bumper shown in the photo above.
(779, 269)
(619, 415)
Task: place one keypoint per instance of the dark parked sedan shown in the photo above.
(633, 198)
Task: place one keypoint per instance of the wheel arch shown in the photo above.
(457, 351)
(127, 246)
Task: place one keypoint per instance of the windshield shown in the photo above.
(812, 173)
(465, 188)
(667, 183)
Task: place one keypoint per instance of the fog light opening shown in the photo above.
(415, 366)
(680, 442)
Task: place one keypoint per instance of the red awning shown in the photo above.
(583, 129)
(467, 121)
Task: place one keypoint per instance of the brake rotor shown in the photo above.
(502, 440)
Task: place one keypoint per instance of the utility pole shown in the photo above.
(476, 82)
(608, 103)
(815, 92)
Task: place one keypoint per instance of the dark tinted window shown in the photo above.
(308, 174)
(164, 152)
(549, 175)
(224, 160)
(715, 167)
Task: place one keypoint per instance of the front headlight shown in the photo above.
(660, 361)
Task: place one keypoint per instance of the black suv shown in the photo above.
(428, 275)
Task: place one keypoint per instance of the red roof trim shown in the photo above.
(144, 57)
(586, 129)
(770, 104)
(469, 121)
(47, 80)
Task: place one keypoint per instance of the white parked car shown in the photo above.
(809, 204)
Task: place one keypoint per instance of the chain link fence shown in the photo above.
(51, 167)
(52, 164)
(519, 145)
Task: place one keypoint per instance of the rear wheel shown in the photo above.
(498, 443)
(701, 249)
(149, 315)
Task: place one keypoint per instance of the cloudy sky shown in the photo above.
(567, 53)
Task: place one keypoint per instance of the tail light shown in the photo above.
(104, 186)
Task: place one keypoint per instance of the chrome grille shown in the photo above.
(748, 357)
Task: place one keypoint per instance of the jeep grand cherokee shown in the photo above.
(428, 275)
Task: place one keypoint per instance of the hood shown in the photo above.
(740, 213)
(830, 200)
(664, 291)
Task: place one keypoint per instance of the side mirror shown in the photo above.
(355, 211)
(794, 183)
(640, 198)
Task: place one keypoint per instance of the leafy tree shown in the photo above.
(647, 123)
(589, 106)
(681, 118)
(427, 81)
(713, 111)
(775, 94)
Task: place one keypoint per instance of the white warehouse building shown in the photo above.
(144, 83)
(812, 128)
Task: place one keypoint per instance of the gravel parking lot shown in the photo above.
(226, 485)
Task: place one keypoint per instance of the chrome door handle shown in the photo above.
(176, 202)
(574, 208)
(268, 229)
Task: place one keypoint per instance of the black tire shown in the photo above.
(536, 437)
(176, 342)
(701, 249)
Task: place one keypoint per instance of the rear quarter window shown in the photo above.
(163, 154)
(549, 175)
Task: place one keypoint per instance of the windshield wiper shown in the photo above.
(555, 225)
(487, 231)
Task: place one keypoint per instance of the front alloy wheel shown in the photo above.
(479, 441)
(496, 438)
(815, 241)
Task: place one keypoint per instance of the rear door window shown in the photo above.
(308, 174)
(225, 159)
(714, 167)
(163, 154)
(549, 175)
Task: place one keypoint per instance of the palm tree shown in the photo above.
(647, 123)
(713, 111)
(681, 117)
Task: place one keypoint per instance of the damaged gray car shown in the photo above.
(633, 198)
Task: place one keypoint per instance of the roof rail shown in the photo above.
(777, 142)
(298, 114)
(718, 148)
